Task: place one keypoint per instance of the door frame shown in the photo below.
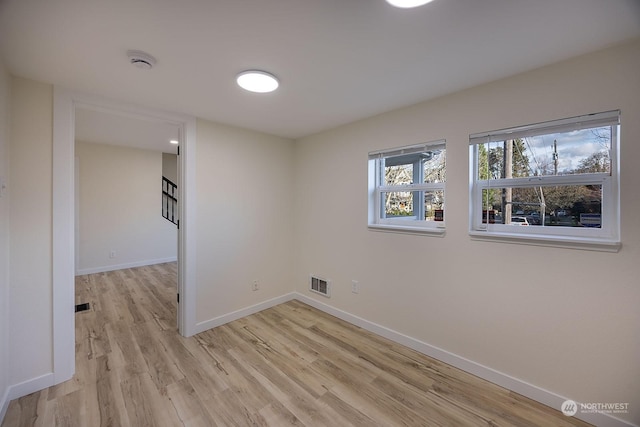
(65, 103)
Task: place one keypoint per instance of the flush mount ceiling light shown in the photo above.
(141, 59)
(174, 142)
(257, 81)
(406, 4)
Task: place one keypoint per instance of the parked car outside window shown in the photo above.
(519, 220)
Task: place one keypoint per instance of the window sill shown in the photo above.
(392, 228)
(582, 243)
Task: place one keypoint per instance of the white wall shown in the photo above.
(5, 93)
(170, 167)
(120, 209)
(563, 320)
(30, 253)
(244, 218)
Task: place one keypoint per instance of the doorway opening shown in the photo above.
(67, 106)
(123, 166)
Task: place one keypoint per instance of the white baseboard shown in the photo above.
(524, 388)
(104, 269)
(24, 388)
(238, 314)
(31, 386)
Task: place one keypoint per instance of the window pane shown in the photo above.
(565, 153)
(562, 205)
(398, 204)
(433, 166)
(434, 205)
(398, 174)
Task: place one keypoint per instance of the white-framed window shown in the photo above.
(550, 183)
(406, 188)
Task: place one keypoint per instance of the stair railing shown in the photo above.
(169, 200)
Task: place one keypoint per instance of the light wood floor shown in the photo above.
(288, 365)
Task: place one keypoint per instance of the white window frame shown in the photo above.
(376, 221)
(606, 238)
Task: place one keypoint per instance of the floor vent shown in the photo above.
(320, 286)
(82, 307)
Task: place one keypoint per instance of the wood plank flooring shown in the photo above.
(288, 365)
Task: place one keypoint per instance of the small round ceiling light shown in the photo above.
(141, 59)
(407, 4)
(257, 81)
(174, 142)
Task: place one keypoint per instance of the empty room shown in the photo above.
(383, 212)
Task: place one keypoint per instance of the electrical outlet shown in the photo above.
(355, 286)
(255, 285)
(112, 254)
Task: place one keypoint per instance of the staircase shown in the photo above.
(169, 200)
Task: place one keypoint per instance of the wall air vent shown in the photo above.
(320, 286)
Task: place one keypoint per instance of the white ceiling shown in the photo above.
(338, 60)
(100, 127)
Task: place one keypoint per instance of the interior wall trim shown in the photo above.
(239, 314)
(24, 388)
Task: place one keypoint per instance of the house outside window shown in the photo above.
(407, 188)
(554, 182)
